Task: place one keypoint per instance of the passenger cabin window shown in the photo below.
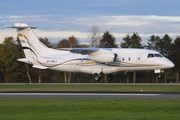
(129, 58)
(123, 59)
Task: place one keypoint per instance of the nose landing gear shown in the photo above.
(159, 73)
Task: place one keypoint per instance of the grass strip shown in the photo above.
(91, 87)
(88, 109)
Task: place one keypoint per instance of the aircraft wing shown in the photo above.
(103, 55)
(84, 51)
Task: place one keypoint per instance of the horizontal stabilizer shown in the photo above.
(39, 67)
(26, 60)
(20, 26)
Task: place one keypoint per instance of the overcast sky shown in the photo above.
(57, 19)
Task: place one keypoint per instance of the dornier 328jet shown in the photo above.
(96, 61)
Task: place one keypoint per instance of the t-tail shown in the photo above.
(32, 47)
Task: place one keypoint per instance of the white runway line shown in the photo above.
(78, 94)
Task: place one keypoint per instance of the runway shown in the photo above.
(68, 95)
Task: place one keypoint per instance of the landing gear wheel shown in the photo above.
(97, 77)
(109, 78)
(160, 75)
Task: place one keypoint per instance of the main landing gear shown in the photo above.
(97, 77)
(109, 77)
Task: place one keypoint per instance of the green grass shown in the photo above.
(92, 87)
(88, 109)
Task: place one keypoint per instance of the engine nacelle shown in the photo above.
(105, 57)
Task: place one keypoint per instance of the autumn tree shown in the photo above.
(64, 43)
(108, 41)
(71, 42)
(84, 46)
(45, 41)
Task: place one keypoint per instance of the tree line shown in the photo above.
(12, 71)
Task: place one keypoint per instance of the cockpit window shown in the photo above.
(151, 55)
(158, 55)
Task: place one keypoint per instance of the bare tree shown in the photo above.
(94, 36)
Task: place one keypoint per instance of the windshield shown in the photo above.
(151, 55)
(158, 55)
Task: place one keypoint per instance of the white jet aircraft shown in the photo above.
(96, 61)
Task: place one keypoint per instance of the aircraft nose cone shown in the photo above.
(165, 63)
(170, 64)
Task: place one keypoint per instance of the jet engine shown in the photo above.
(105, 57)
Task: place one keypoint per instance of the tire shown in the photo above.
(109, 78)
(97, 78)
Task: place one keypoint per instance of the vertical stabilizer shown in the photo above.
(32, 47)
